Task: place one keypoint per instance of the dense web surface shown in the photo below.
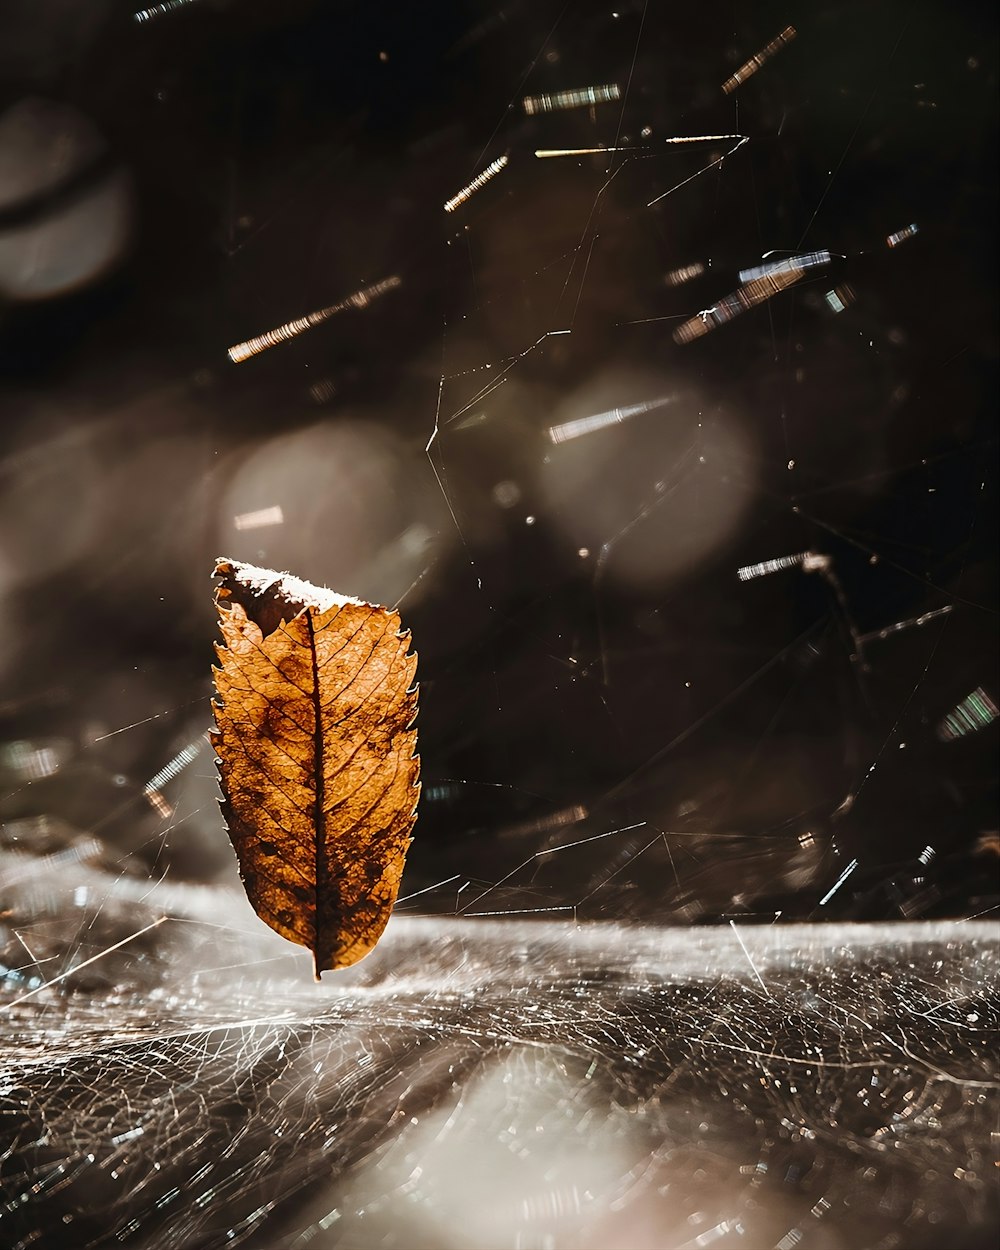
(645, 358)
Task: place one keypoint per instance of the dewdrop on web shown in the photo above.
(584, 97)
(480, 181)
(749, 68)
(731, 306)
(291, 329)
(601, 420)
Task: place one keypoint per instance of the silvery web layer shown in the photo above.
(502, 1083)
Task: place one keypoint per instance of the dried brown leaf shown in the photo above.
(315, 746)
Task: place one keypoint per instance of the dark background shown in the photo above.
(258, 161)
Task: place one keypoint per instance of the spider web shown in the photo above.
(672, 440)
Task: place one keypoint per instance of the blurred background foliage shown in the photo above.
(590, 661)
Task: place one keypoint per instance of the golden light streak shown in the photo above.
(649, 150)
(291, 329)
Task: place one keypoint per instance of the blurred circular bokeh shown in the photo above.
(65, 207)
(643, 474)
(345, 504)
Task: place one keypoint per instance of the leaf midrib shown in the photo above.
(322, 886)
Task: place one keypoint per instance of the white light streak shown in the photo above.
(158, 10)
(749, 68)
(739, 301)
(601, 420)
(838, 883)
(583, 97)
(750, 961)
(175, 766)
(260, 518)
(808, 260)
(749, 571)
(703, 138)
(291, 329)
(480, 181)
(901, 236)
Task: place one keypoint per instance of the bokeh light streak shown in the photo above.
(548, 153)
(838, 883)
(477, 183)
(601, 420)
(780, 563)
(975, 712)
(840, 297)
(808, 260)
(894, 240)
(544, 153)
(158, 10)
(583, 97)
(262, 517)
(291, 329)
(174, 767)
(739, 301)
(676, 277)
(749, 68)
(29, 761)
(557, 820)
